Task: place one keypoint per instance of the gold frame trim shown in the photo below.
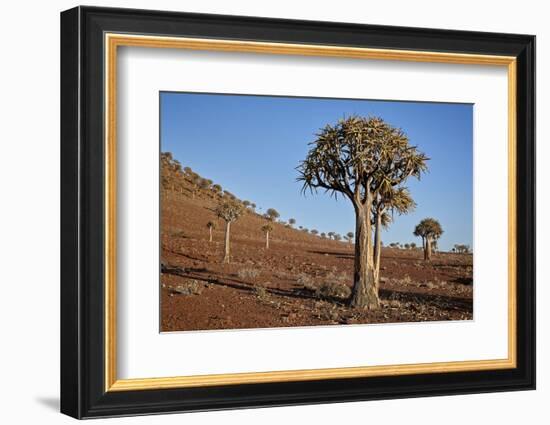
(113, 41)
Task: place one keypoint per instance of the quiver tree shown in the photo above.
(217, 189)
(195, 180)
(394, 200)
(229, 195)
(292, 222)
(349, 237)
(166, 176)
(461, 249)
(267, 229)
(229, 211)
(211, 225)
(272, 214)
(359, 158)
(204, 184)
(171, 171)
(429, 230)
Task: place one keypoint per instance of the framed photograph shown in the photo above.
(261, 212)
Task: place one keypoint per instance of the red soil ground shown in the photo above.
(200, 293)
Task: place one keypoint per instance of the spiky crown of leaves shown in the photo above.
(267, 228)
(428, 227)
(359, 153)
(229, 210)
(272, 214)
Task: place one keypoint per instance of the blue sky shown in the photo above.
(251, 146)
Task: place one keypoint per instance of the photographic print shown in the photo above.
(289, 211)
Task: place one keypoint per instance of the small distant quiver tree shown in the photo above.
(430, 231)
(395, 200)
(272, 214)
(228, 210)
(217, 189)
(267, 229)
(362, 159)
(461, 249)
(211, 225)
(349, 237)
(194, 179)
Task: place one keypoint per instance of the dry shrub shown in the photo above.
(261, 292)
(248, 273)
(327, 312)
(333, 287)
(282, 275)
(307, 282)
(177, 234)
(406, 280)
(394, 303)
(189, 287)
(333, 290)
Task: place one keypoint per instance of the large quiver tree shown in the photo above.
(359, 158)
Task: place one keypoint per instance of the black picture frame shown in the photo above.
(82, 212)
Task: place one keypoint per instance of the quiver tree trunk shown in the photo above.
(210, 236)
(266, 240)
(365, 293)
(226, 247)
(428, 249)
(377, 250)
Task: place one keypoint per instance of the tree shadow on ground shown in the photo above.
(337, 254)
(300, 292)
(463, 280)
(439, 301)
(190, 257)
(232, 281)
(402, 259)
(450, 265)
